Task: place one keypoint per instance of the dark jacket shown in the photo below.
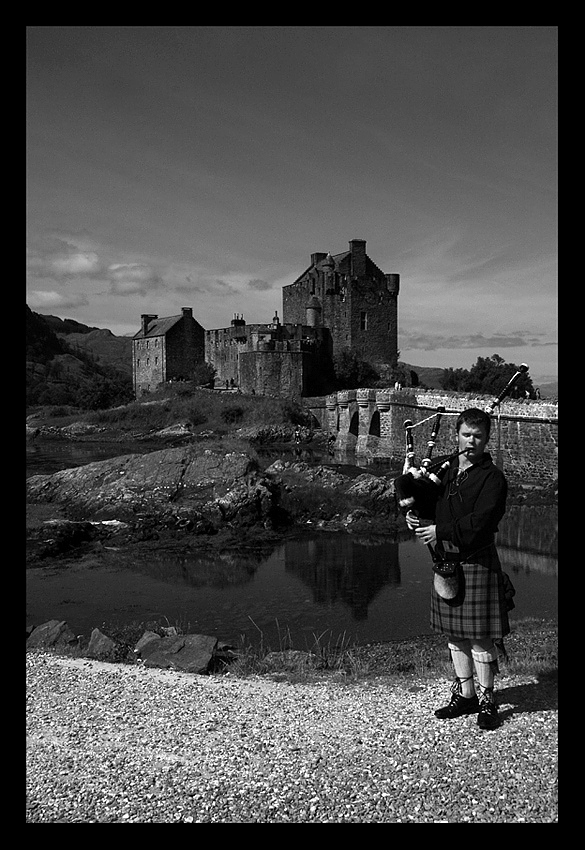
(469, 517)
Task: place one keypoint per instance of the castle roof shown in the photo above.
(158, 327)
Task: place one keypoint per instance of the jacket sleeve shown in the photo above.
(472, 522)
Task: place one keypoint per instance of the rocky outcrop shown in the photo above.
(191, 653)
(201, 492)
(219, 484)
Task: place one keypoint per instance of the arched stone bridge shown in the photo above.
(370, 423)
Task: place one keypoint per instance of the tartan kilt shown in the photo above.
(479, 609)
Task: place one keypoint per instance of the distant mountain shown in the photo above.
(68, 363)
(548, 390)
(104, 347)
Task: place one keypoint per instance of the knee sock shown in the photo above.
(486, 665)
(463, 664)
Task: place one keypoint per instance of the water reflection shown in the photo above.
(528, 539)
(220, 571)
(337, 568)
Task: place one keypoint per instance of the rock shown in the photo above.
(159, 482)
(58, 537)
(147, 644)
(177, 430)
(189, 653)
(54, 634)
(101, 646)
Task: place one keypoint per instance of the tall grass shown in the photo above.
(201, 409)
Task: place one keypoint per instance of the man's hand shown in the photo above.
(426, 532)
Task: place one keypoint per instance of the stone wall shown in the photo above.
(277, 373)
(148, 364)
(185, 348)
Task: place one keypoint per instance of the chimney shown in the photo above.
(187, 312)
(392, 283)
(316, 258)
(357, 248)
(145, 320)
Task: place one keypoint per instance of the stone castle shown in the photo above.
(341, 301)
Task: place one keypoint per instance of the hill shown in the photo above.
(79, 366)
(105, 348)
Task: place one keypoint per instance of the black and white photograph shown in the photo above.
(291, 424)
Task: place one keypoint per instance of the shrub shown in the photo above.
(232, 415)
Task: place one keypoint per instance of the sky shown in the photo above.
(172, 167)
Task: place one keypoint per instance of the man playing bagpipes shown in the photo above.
(457, 518)
(471, 502)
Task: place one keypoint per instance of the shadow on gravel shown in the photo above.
(536, 696)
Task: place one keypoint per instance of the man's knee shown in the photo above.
(484, 652)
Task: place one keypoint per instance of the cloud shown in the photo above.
(432, 342)
(51, 300)
(260, 285)
(133, 279)
(60, 258)
(207, 285)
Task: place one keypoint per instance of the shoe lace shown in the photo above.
(457, 686)
(487, 700)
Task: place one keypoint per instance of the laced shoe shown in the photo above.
(458, 705)
(488, 717)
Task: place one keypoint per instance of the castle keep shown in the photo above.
(348, 294)
(340, 301)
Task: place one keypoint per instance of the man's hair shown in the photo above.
(476, 417)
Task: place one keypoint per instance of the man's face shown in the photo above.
(474, 439)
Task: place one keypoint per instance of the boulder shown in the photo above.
(101, 646)
(189, 653)
(54, 634)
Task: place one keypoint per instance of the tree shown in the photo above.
(351, 371)
(488, 376)
(203, 375)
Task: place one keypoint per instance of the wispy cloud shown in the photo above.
(133, 279)
(260, 285)
(59, 258)
(433, 342)
(50, 300)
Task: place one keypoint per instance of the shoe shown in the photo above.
(458, 707)
(488, 717)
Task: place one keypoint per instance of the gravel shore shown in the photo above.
(113, 743)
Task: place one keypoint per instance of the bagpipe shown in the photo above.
(418, 488)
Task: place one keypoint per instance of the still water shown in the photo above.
(325, 586)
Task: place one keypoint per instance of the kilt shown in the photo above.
(479, 609)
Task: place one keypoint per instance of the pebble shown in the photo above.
(113, 743)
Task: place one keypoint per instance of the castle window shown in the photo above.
(138, 361)
(363, 320)
(156, 361)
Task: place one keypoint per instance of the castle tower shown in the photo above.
(313, 312)
(358, 303)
